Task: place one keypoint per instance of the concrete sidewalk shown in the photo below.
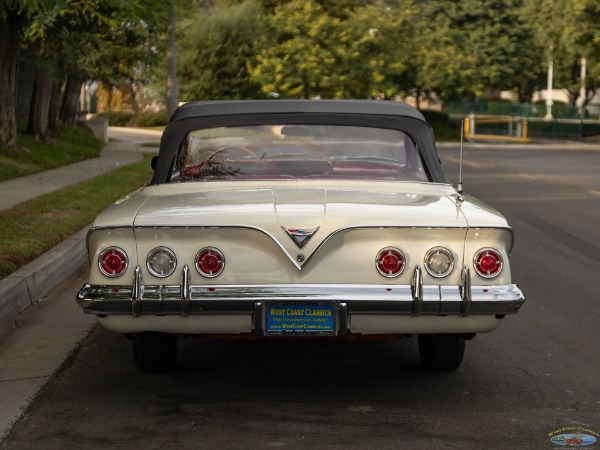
(114, 155)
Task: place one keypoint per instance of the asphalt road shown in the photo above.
(536, 374)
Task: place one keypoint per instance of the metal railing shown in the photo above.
(507, 128)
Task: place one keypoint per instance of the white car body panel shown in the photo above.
(250, 221)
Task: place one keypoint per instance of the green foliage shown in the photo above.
(150, 119)
(563, 129)
(215, 50)
(437, 117)
(301, 62)
(361, 48)
(444, 129)
(125, 118)
(71, 144)
(559, 110)
(329, 48)
(586, 35)
(117, 118)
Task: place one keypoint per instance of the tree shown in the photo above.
(553, 25)
(215, 50)
(489, 39)
(172, 82)
(14, 16)
(586, 38)
(10, 22)
(302, 60)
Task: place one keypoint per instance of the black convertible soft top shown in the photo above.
(367, 113)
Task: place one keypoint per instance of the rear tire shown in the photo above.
(443, 352)
(154, 352)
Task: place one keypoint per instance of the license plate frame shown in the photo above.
(301, 318)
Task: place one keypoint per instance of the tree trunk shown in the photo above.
(172, 84)
(37, 125)
(9, 46)
(68, 110)
(56, 97)
(110, 97)
(132, 95)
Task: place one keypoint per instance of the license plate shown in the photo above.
(301, 318)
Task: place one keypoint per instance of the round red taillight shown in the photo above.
(113, 262)
(210, 262)
(390, 262)
(488, 262)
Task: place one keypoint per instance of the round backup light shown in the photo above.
(439, 262)
(210, 262)
(113, 262)
(390, 262)
(488, 262)
(161, 262)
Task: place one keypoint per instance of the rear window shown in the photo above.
(273, 152)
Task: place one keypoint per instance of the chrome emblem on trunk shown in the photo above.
(301, 236)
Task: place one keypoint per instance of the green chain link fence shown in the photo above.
(566, 122)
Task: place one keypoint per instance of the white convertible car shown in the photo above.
(297, 219)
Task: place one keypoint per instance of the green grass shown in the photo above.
(71, 144)
(30, 229)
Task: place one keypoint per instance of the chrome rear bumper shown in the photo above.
(186, 299)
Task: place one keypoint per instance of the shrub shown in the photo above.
(435, 117)
(150, 119)
(116, 118)
(559, 110)
(443, 128)
(557, 128)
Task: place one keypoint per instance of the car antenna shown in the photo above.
(459, 188)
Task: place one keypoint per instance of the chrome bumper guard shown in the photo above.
(415, 299)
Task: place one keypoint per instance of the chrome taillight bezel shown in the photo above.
(490, 252)
(153, 253)
(382, 253)
(215, 252)
(124, 260)
(439, 250)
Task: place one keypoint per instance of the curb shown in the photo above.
(25, 286)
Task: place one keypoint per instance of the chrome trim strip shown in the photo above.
(343, 318)
(136, 292)
(435, 300)
(465, 292)
(158, 227)
(186, 304)
(417, 291)
(259, 319)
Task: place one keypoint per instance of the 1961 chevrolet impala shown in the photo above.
(296, 219)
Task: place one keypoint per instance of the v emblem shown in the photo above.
(301, 236)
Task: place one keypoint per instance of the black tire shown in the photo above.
(154, 352)
(441, 351)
